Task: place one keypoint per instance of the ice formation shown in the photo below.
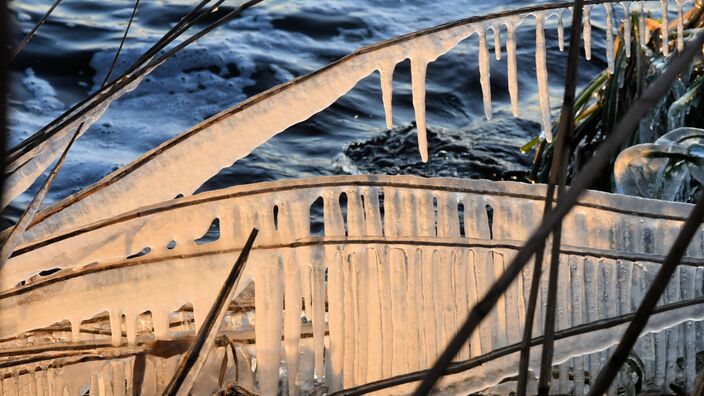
(379, 293)
(397, 248)
(176, 167)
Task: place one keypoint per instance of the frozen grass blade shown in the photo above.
(122, 43)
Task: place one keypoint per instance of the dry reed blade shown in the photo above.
(32, 32)
(122, 43)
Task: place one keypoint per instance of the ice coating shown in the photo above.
(587, 32)
(418, 67)
(560, 33)
(172, 168)
(512, 71)
(484, 74)
(386, 75)
(541, 72)
(609, 37)
(497, 41)
(627, 27)
(641, 22)
(664, 28)
(405, 257)
(680, 26)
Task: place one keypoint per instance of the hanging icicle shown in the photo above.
(560, 32)
(680, 27)
(587, 32)
(512, 72)
(418, 67)
(386, 75)
(485, 73)
(664, 29)
(609, 37)
(497, 41)
(541, 71)
(641, 21)
(627, 27)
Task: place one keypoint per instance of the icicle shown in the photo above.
(560, 32)
(497, 41)
(609, 37)
(680, 27)
(485, 74)
(386, 74)
(292, 318)
(512, 78)
(627, 27)
(418, 67)
(541, 72)
(664, 29)
(587, 32)
(641, 21)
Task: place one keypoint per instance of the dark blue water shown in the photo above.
(268, 45)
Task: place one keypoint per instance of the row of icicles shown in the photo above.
(418, 68)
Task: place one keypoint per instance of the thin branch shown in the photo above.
(589, 174)
(558, 175)
(192, 361)
(27, 216)
(122, 43)
(630, 336)
(31, 34)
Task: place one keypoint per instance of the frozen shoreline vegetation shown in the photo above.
(352, 280)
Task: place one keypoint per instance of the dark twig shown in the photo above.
(672, 260)
(191, 362)
(31, 34)
(122, 43)
(557, 173)
(589, 174)
(458, 367)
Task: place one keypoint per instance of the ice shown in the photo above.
(680, 26)
(484, 74)
(497, 41)
(627, 27)
(177, 166)
(541, 72)
(587, 32)
(418, 67)
(641, 21)
(560, 33)
(664, 28)
(512, 69)
(380, 270)
(609, 37)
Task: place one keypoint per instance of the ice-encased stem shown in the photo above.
(386, 75)
(680, 27)
(664, 28)
(609, 37)
(485, 73)
(418, 67)
(497, 41)
(627, 27)
(541, 71)
(587, 32)
(512, 72)
(560, 32)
